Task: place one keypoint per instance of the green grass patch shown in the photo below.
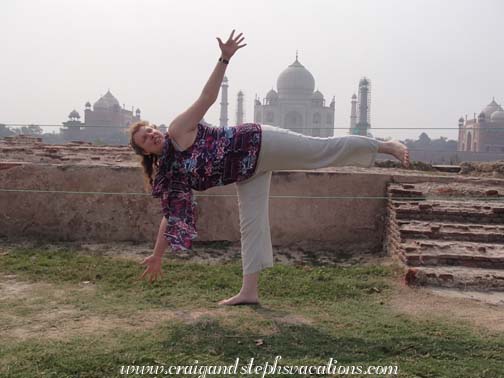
(345, 308)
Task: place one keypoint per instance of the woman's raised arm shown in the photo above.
(188, 120)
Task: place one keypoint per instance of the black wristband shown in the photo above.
(225, 61)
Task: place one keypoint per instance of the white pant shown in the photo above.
(281, 150)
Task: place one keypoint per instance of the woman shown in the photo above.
(194, 156)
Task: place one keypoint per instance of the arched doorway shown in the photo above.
(294, 121)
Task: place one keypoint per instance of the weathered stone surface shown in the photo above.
(454, 240)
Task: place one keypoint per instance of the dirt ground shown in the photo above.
(481, 310)
(56, 321)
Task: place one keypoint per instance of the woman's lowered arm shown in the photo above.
(153, 263)
(188, 120)
(161, 242)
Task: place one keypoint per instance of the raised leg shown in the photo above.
(396, 149)
(282, 149)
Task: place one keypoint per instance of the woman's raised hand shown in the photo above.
(229, 48)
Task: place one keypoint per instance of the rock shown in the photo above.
(492, 192)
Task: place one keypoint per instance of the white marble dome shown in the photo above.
(296, 79)
(490, 108)
(497, 116)
(107, 101)
(272, 95)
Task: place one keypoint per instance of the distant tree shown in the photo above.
(5, 131)
(424, 139)
(30, 130)
(53, 138)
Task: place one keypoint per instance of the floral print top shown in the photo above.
(219, 156)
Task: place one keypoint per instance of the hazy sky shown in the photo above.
(429, 61)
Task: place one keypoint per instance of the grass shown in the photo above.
(342, 313)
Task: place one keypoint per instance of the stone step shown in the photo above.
(450, 190)
(456, 211)
(447, 168)
(414, 252)
(456, 277)
(485, 233)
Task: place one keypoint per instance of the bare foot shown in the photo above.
(400, 151)
(240, 299)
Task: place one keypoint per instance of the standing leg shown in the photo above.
(256, 248)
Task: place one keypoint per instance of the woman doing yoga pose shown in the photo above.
(193, 156)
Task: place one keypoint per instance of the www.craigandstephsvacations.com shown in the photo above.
(249, 368)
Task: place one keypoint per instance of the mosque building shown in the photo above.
(106, 122)
(296, 105)
(484, 133)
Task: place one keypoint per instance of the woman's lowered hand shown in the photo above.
(153, 270)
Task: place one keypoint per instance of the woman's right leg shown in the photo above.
(256, 247)
(282, 149)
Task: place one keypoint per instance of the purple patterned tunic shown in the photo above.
(219, 156)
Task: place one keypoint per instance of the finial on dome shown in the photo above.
(296, 54)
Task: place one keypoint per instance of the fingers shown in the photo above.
(238, 36)
(231, 36)
(153, 275)
(143, 274)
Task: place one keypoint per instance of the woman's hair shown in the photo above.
(149, 162)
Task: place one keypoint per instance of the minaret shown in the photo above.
(364, 103)
(223, 121)
(460, 134)
(353, 114)
(239, 108)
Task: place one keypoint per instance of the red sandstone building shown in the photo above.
(484, 133)
(106, 122)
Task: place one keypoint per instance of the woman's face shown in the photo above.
(150, 140)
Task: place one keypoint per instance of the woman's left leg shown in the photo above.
(283, 149)
(256, 247)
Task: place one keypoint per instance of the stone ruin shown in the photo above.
(31, 149)
(448, 234)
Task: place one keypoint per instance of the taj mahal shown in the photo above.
(296, 105)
